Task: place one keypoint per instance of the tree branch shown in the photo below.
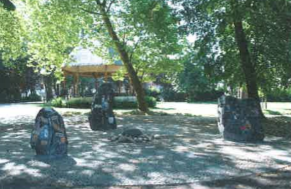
(109, 6)
(142, 75)
(101, 3)
(91, 12)
(98, 2)
(138, 67)
(123, 39)
(133, 50)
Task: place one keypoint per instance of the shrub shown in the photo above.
(279, 95)
(152, 92)
(151, 101)
(31, 98)
(124, 105)
(131, 102)
(34, 97)
(120, 102)
(170, 95)
(79, 102)
(57, 102)
(205, 96)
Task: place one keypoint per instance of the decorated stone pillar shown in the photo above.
(239, 120)
(102, 116)
(48, 137)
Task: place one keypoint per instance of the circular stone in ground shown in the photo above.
(132, 133)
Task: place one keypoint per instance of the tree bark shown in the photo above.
(140, 95)
(247, 65)
(48, 82)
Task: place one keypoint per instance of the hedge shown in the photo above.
(122, 102)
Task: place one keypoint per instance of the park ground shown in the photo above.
(188, 152)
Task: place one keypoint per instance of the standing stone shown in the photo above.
(102, 116)
(48, 136)
(239, 120)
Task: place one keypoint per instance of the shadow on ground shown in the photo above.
(188, 150)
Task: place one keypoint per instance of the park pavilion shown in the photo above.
(87, 64)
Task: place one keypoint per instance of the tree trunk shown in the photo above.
(48, 82)
(245, 58)
(140, 95)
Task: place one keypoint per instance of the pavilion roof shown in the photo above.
(86, 63)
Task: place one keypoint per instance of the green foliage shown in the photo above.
(131, 103)
(120, 103)
(153, 92)
(158, 49)
(84, 88)
(195, 84)
(54, 28)
(9, 85)
(279, 95)
(79, 102)
(266, 27)
(31, 98)
(11, 35)
(272, 112)
(170, 95)
(16, 78)
(206, 96)
(13, 95)
(151, 101)
(85, 102)
(58, 102)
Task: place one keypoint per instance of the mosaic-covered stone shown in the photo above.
(239, 120)
(48, 137)
(102, 116)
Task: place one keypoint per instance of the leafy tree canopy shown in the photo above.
(267, 29)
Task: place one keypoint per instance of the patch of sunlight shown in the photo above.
(283, 158)
(33, 172)
(71, 172)
(157, 177)
(194, 155)
(13, 169)
(181, 149)
(2, 161)
(87, 172)
(238, 153)
(81, 162)
(160, 157)
(75, 138)
(99, 146)
(38, 164)
(87, 155)
(127, 167)
(278, 154)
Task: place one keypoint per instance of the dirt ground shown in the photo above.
(188, 153)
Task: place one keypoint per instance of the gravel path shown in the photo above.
(189, 150)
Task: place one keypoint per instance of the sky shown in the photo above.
(191, 38)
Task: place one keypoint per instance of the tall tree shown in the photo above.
(11, 35)
(129, 26)
(123, 55)
(237, 39)
(247, 65)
